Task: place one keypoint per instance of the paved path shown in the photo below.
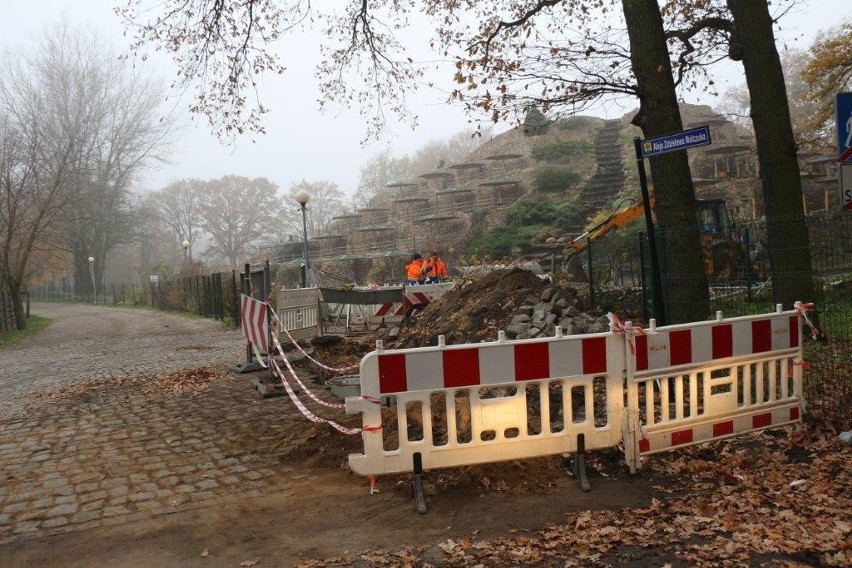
(121, 455)
(86, 342)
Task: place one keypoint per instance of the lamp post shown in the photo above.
(94, 286)
(185, 245)
(302, 197)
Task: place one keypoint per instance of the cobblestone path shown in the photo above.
(121, 455)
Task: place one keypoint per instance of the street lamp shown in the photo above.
(185, 245)
(302, 197)
(94, 286)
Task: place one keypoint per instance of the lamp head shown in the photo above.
(302, 197)
(91, 259)
(185, 244)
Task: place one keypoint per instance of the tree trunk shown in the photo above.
(18, 305)
(787, 243)
(684, 279)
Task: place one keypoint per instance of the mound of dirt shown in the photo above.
(481, 306)
(475, 310)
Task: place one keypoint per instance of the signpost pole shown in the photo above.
(656, 283)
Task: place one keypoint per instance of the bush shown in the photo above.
(559, 151)
(525, 220)
(555, 180)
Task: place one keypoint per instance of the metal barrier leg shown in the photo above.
(419, 498)
(578, 464)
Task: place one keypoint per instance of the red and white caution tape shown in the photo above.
(339, 370)
(310, 415)
(298, 403)
(296, 377)
(258, 356)
(628, 329)
(803, 309)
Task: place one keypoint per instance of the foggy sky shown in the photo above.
(302, 143)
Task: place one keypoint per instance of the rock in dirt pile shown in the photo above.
(514, 300)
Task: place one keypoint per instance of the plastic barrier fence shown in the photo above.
(298, 311)
(655, 390)
(486, 402)
(710, 380)
(254, 323)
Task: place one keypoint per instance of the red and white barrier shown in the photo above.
(523, 399)
(688, 384)
(652, 389)
(254, 322)
(711, 341)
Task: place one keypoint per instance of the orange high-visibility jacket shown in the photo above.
(435, 267)
(413, 269)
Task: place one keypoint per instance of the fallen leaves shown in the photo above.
(774, 510)
(193, 381)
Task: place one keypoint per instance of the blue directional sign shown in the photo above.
(673, 142)
(843, 107)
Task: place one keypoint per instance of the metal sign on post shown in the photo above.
(846, 186)
(843, 108)
(674, 142)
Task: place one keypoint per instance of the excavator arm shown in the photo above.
(616, 220)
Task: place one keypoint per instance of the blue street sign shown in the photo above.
(673, 142)
(843, 107)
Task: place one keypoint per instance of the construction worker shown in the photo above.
(434, 268)
(414, 270)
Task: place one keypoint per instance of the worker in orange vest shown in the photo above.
(414, 270)
(434, 268)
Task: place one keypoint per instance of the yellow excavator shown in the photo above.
(720, 243)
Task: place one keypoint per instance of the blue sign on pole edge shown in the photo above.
(675, 142)
(843, 110)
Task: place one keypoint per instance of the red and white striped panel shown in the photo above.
(390, 309)
(680, 345)
(423, 294)
(254, 323)
(496, 363)
(658, 441)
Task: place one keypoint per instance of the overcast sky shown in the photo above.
(302, 143)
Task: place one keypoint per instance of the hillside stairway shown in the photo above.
(608, 180)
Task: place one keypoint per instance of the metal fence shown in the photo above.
(739, 276)
(210, 295)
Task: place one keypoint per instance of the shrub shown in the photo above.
(555, 180)
(559, 151)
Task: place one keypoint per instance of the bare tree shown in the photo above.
(380, 170)
(326, 201)
(31, 194)
(73, 82)
(239, 212)
(179, 205)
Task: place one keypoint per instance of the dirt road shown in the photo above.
(124, 476)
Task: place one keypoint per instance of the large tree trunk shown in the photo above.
(684, 279)
(18, 304)
(787, 235)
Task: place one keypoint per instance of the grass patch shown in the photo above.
(34, 325)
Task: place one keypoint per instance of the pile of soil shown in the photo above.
(475, 310)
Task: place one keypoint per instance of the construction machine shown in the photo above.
(724, 249)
